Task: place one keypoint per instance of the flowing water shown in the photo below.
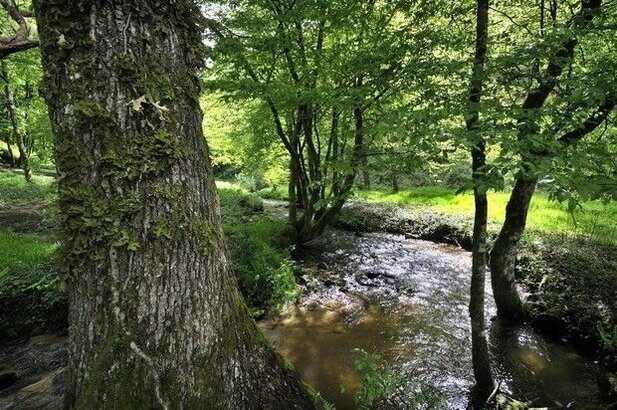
(406, 300)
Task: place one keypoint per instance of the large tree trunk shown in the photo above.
(480, 357)
(24, 152)
(155, 316)
(503, 255)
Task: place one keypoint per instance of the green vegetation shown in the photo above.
(14, 190)
(384, 387)
(32, 297)
(23, 252)
(376, 382)
(362, 115)
(569, 298)
(259, 253)
(595, 219)
(32, 294)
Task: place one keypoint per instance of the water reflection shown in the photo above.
(407, 301)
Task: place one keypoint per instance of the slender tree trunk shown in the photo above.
(24, 152)
(395, 186)
(293, 197)
(366, 177)
(10, 151)
(480, 357)
(155, 318)
(505, 248)
(503, 255)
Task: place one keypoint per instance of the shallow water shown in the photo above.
(406, 300)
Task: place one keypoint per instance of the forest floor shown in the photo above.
(568, 278)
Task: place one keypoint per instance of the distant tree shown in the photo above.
(18, 40)
(324, 69)
(155, 316)
(20, 133)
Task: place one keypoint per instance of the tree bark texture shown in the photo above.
(155, 318)
(505, 248)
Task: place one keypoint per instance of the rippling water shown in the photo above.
(407, 301)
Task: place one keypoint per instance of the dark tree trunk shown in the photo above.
(155, 318)
(503, 255)
(395, 186)
(480, 357)
(9, 149)
(24, 152)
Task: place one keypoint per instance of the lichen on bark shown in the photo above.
(155, 316)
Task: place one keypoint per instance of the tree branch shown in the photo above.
(20, 40)
(536, 97)
(591, 123)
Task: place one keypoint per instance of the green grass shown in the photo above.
(596, 219)
(33, 298)
(14, 190)
(22, 252)
(280, 192)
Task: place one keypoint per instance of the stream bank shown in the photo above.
(357, 297)
(406, 300)
(569, 281)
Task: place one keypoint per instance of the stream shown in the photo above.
(403, 299)
(406, 300)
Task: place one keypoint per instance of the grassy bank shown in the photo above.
(32, 296)
(597, 220)
(259, 252)
(15, 191)
(569, 279)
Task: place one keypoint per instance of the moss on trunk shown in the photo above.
(155, 316)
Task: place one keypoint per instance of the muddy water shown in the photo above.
(407, 301)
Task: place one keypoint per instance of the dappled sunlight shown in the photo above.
(595, 218)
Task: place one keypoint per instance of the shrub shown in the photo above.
(259, 260)
(382, 387)
(32, 296)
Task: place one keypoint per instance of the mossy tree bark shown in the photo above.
(155, 316)
(480, 357)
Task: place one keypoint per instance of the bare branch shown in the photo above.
(20, 40)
